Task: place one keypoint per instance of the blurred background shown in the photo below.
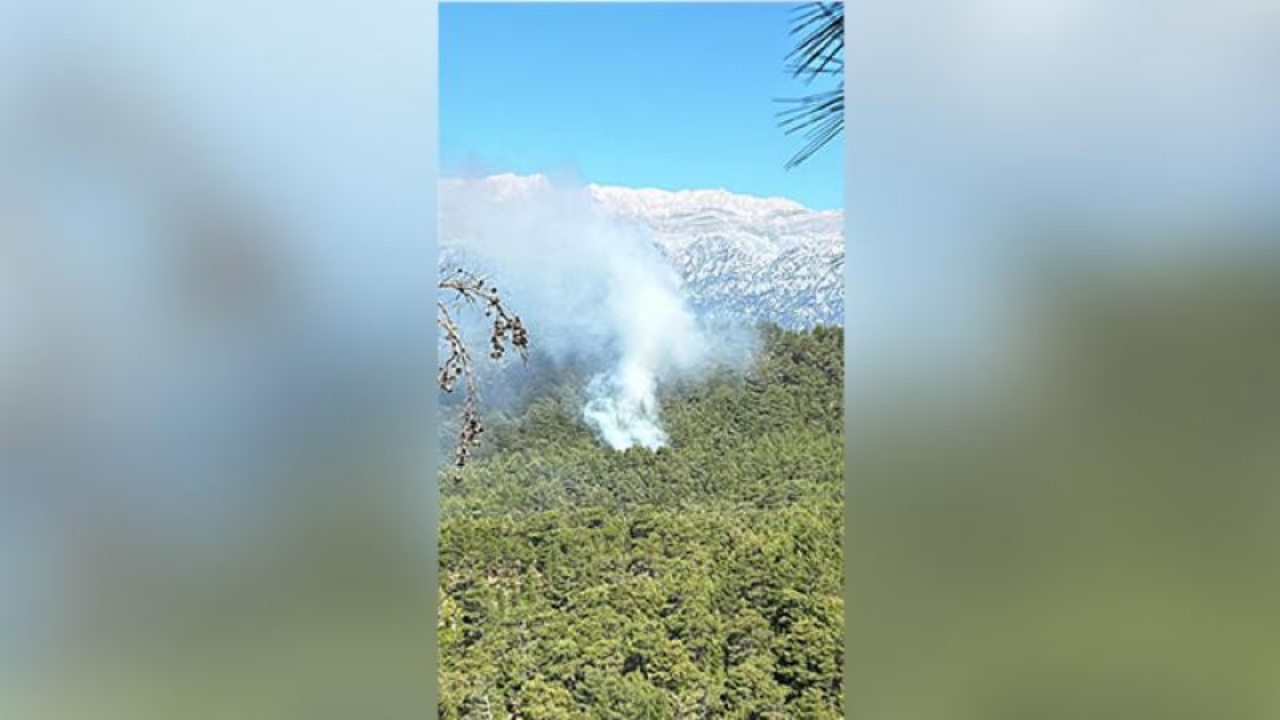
(1063, 404)
(216, 359)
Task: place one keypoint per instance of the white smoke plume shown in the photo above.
(589, 287)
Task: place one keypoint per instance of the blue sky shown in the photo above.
(674, 96)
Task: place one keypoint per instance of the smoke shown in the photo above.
(624, 408)
(592, 289)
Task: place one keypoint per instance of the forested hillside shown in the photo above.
(700, 580)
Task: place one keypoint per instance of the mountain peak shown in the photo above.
(738, 255)
(654, 200)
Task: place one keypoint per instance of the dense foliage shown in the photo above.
(701, 580)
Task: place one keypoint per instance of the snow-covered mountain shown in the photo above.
(738, 255)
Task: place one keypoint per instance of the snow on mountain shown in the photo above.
(738, 255)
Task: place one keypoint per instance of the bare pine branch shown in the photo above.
(469, 290)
